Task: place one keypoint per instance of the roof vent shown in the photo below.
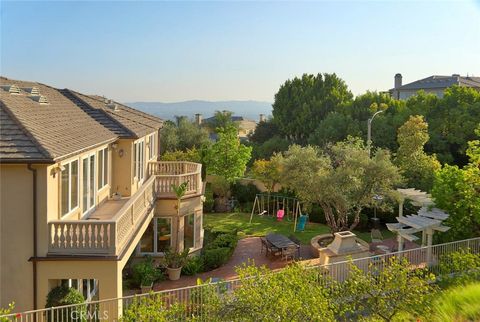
(112, 105)
(12, 89)
(40, 99)
(32, 90)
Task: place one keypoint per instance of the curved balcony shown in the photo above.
(111, 227)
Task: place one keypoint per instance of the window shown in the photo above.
(88, 183)
(151, 147)
(69, 187)
(189, 231)
(102, 168)
(87, 287)
(139, 162)
(158, 236)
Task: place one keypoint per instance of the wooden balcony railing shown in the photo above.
(110, 237)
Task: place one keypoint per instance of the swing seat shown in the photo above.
(280, 214)
(262, 213)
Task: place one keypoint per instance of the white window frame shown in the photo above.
(155, 238)
(68, 167)
(139, 160)
(194, 229)
(151, 147)
(87, 210)
(101, 169)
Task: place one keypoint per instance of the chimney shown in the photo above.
(263, 118)
(398, 80)
(198, 119)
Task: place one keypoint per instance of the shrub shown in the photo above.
(193, 266)
(152, 308)
(244, 193)
(6, 311)
(224, 241)
(459, 268)
(145, 273)
(209, 201)
(214, 258)
(64, 295)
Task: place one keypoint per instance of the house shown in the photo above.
(245, 126)
(433, 84)
(82, 191)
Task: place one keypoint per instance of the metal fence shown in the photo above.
(194, 297)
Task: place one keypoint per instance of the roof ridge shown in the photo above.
(93, 109)
(133, 111)
(27, 133)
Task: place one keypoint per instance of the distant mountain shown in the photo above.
(168, 111)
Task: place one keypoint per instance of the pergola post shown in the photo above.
(429, 233)
(400, 207)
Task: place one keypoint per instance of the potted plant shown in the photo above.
(173, 262)
(145, 273)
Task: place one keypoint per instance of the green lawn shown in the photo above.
(261, 225)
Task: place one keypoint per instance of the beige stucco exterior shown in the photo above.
(17, 230)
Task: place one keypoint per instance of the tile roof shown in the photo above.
(441, 82)
(45, 124)
(123, 120)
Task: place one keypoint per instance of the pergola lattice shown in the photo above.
(427, 220)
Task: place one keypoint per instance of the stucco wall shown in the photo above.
(16, 236)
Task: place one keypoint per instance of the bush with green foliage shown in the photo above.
(193, 266)
(209, 201)
(64, 295)
(153, 308)
(6, 311)
(215, 257)
(145, 273)
(459, 268)
(460, 303)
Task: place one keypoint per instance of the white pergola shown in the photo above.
(427, 220)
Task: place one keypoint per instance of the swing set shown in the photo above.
(277, 205)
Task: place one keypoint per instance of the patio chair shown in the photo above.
(376, 236)
(289, 252)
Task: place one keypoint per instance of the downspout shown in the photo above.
(34, 189)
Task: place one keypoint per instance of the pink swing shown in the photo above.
(280, 214)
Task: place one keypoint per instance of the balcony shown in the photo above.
(115, 223)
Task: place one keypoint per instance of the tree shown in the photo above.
(221, 119)
(386, 292)
(268, 171)
(418, 168)
(264, 131)
(300, 104)
(192, 155)
(182, 135)
(457, 191)
(227, 157)
(342, 180)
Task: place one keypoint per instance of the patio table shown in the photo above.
(280, 241)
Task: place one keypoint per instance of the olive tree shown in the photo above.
(342, 179)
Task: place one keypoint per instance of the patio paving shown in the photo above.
(247, 249)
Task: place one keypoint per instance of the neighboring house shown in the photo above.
(81, 191)
(245, 126)
(433, 84)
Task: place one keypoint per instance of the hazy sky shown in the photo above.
(172, 51)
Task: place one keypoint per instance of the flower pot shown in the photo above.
(116, 196)
(146, 288)
(174, 273)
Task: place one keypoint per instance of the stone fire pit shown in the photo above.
(345, 244)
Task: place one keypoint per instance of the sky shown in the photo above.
(175, 51)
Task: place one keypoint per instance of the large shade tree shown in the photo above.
(301, 103)
(182, 135)
(343, 179)
(457, 191)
